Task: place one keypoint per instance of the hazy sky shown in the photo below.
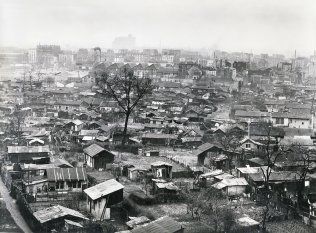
(273, 26)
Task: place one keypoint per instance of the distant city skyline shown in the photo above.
(273, 27)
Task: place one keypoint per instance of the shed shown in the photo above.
(54, 217)
(137, 172)
(232, 187)
(70, 179)
(162, 170)
(29, 154)
(100, 197)
(98, 157)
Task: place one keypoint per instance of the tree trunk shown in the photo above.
(265, 215)
(300, 191)
(125, 128)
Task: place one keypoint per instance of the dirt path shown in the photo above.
(13, 209)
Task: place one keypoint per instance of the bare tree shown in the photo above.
(211, 206)
(16, 122)
(217, 211)
(301, 157)
(270, 154)
(127, 90)
(230, 141)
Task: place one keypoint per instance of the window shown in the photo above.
(248, 145)
(279, 121)
(60, 185)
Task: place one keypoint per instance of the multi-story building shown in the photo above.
(168, 58)
(66, 59)
(47, 54)
(124, 42)
(32, 57)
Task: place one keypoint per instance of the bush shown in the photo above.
(135, 210)
(141, 199)
(127, 148)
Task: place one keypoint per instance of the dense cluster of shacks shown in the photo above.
(58, 120)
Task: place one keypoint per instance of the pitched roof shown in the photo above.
(164, 224)
(205, 147)
(251, 140)
(212, 173)
(250, 170)
(54, 212)
(240, 113)
(66, 174)
(68, 102)
(28, 149)
(258, 130)
(138, 67)
(291, 115)
(76, 122)
(274, 102)
(88, 132)
(276, 176)
(224, 176)
(160, 163)
(159, 136)
(93, 150)
(292, 132)
(230, 182)
(103, 189)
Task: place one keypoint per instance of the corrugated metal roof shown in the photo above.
(54, 212)
(66, 174)
(103, 189)
(161, 225)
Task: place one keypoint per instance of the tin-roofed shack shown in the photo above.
(29, 154)
(69, 179)
(102, 196)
